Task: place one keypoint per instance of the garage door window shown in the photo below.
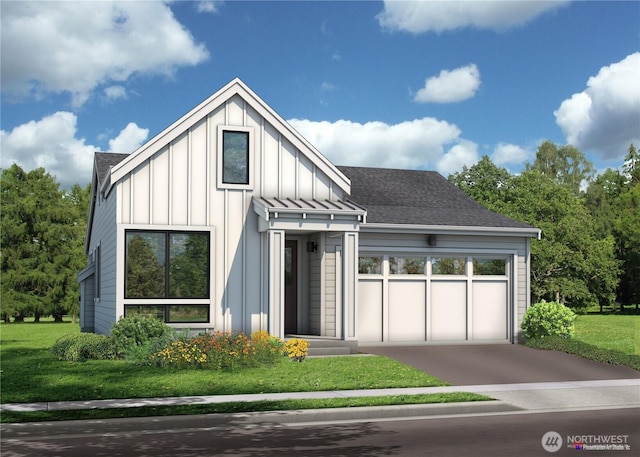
(406, 265)
(489, 267)
(370, 265)
(449, 266)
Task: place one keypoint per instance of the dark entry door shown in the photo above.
(291, 286)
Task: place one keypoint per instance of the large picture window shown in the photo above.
(166, 264)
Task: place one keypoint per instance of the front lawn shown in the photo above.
(619, 332)
(608, 338)
(31, 374)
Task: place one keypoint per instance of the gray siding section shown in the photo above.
(87, 312)
(104, 233)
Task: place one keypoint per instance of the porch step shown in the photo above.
(319, 346)
(314, 351)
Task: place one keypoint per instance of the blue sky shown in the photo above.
(427, 85)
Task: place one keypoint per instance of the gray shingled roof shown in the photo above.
(106, 160)
(419, 198)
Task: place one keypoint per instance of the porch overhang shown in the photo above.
(308, 214)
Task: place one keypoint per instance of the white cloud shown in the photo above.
(506, 153)
(115, 92)
(431, 16)
(327, 87)
(605, 117)
(421, 143)
(450, 86)
(463, 153)
(207, 6)
(51, 143)
(75, 47)
(129, 139)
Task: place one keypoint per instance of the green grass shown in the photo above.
(607, 338)
(239, 407)
(31, 374)
(620, 332)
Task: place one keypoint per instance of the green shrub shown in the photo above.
(133, 331)
(548, 319)
(586, 350)
(147, 352)
(80, 348)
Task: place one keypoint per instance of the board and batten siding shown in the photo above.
(177, 188)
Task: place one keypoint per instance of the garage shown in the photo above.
(435, 298)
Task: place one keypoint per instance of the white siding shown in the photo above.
(178, 187)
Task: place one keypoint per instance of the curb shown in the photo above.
(376, 412)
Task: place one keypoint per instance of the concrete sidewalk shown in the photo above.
(597, 394)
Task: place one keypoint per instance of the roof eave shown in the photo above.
(529, 232)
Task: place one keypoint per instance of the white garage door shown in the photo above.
(433, 298)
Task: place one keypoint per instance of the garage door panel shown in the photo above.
(370, 310)
(448, 310)
(489, 319)
(407, 308)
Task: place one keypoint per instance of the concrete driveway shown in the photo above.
(500, 364)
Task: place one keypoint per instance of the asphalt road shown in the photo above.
(508, 434)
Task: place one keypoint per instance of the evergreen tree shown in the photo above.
(41, 231)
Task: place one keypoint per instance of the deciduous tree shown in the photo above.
(565, 165)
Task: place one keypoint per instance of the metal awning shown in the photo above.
(275, 208)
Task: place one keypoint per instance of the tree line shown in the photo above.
(589, 254)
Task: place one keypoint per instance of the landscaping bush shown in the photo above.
(267, 348)
(147, 352)
(586, 350)
(80, 348)
(548, 319)
(133, 331)
(221, 351)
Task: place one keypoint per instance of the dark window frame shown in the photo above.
(165, 311)
(167, 267)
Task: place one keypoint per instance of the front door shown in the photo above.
(291, 287)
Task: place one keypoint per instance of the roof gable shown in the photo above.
(418, 197)
(104, 161)
(200, 112)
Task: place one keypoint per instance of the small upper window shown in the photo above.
(370, 265)
(406, 265)
(235, 157)
(448, 266)
(487, 266)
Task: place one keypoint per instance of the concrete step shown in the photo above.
(337, 350)
(319, 346)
